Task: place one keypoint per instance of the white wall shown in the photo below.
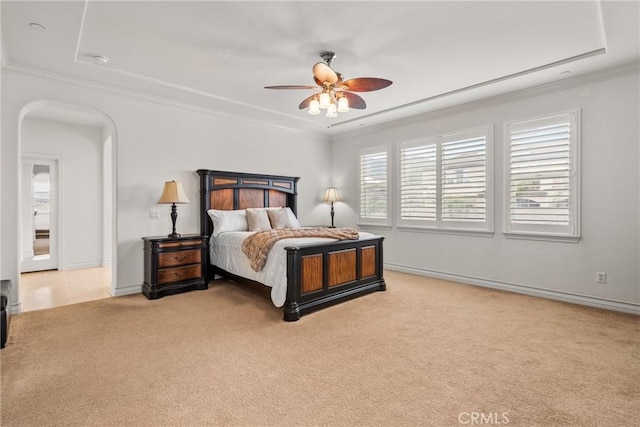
(158, 141)
(107, 202)
(610, 200)
(80, 174)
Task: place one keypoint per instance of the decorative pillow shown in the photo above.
(292, 217)
(258, 219)
(279, 218)
(228, 221)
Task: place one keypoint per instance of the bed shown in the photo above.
(315, 273)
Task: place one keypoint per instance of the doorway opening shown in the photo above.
(67, 205)
(39, 213)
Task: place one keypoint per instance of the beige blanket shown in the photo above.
(257, 246)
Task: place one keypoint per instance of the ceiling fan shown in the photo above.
(335, 94)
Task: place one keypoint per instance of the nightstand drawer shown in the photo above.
(169, 259)
(177, 274)
(180, 244)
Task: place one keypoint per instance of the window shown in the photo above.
(542, 179)
(444, 182)
(373, 171)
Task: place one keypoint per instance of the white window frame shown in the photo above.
(548, 232)
(368, 221)
(438, 225)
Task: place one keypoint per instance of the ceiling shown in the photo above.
(218, 56)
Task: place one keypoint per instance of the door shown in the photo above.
(39, 213)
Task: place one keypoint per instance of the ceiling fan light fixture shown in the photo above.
(314, 107)
(343, 104)
(325, 100)
(333, 93)
(332, 110)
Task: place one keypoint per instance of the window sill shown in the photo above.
(562, 238)
(378, 226)
(458, 231)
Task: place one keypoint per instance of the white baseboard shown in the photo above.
(79, 265)
(127, 290)
(16, 308)
(588, 300)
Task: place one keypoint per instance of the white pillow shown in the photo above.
(258, 220)
(292, 218)
(228, 221)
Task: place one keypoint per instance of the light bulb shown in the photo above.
(343, 104)
(314, 107)
(331, 110)
(325, 100)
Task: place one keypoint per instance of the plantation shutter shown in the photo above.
(444, 182)
(542, 189)
(464, 180)
(418, 183)
(374, 186)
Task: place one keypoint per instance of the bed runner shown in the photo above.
(257, 246)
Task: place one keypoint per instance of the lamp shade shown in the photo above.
(331, 195)
(173, 193)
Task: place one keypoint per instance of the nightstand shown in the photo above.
(174, 264)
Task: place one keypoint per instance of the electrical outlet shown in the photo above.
(154, 214)
(601, 277)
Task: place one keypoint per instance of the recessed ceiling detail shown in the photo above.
(100, 59)
(218, 56)
(37, 27)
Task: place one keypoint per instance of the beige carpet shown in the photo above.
(424, 353)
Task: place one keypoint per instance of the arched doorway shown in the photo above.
(47, 131)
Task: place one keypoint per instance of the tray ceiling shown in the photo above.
(219, 55)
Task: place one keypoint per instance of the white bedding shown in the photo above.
(225, 251)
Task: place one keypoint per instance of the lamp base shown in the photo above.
(174, 216)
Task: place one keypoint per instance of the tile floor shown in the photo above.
(47, 289)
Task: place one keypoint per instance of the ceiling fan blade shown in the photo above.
(305, 104)
(290, 87)
(355, 101)
(365, 84)
(324, 73)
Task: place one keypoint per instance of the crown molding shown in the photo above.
(511, 96)
(57, 78)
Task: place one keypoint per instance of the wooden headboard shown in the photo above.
(236, 190)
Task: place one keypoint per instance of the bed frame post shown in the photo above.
(291, 308)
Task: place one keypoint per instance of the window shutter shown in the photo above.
(464, 180)
(542, 189)
(373, 187)
(418, 183)
(445, 182)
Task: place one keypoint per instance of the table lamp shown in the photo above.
(173, 193)
(331, 195)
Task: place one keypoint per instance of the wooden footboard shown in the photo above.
(319, 275)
